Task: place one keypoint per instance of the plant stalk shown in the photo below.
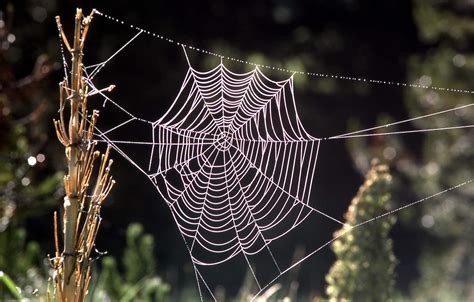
(71, 201)
(81, 211)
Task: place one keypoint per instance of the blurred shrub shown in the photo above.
(139, 281)
(22, 261)
(27, 181)
(446, 266)
(6, 281)
(364, 270)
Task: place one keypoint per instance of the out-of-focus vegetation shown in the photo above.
(28, 186)
(365, 266)
(446, 266)
(438, 233)
(444, 225)
(139, 281)
(10, 285)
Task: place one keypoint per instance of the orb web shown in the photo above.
(222, 136)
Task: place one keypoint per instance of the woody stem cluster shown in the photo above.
(86, 187)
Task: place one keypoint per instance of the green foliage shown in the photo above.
(27, 185)
(446, 266)
(10, 285)
(25, 189)
(138, 258)
(23, 193)
(364, 270)
(139, 281)
(16, 254)
(21, 260)
(438, 19)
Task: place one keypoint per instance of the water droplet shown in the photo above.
(32, 161)
(282, 14)
(40, 157)
(459, 60)
(427, 221)
(25, 181)
(11, 38)
(389, 153)
(39, 14)
(425, 80)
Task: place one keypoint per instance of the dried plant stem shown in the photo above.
(81, 211)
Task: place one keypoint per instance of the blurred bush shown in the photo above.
(446, 266)
(29, 186)
(139, 281)
(365, 266)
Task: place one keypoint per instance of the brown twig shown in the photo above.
(81, 212)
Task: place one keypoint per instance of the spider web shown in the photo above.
(230, 128)
(233, 162)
